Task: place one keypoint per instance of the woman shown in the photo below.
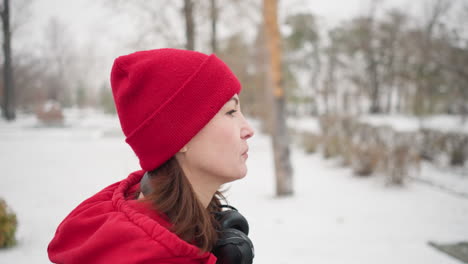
(180, 113)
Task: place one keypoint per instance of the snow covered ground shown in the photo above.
(332, 218)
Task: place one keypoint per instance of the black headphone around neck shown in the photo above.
(233, 245)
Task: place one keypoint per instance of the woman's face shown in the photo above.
(219, 151)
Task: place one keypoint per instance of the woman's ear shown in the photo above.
(183, 150)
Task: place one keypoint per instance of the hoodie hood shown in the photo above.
(112, 227)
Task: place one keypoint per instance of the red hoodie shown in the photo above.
(109, 227)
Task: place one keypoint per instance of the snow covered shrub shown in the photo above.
(347, 130)
(331, 147)
(337, 145)
(458, 149)
(458, 157)
(346, 152)
(50, 113)
(365, 159)
(400, 158)
(329, 135)
(8, 226)
(432, 145)
(327, 122)
(310, 142)
(337, 136)
(400, 163)
(367, 150)
(444, 149)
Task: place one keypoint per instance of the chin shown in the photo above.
(233, 178)
(242, 175)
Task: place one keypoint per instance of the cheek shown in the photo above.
(219, 142)
(218, 134)
(217, 150)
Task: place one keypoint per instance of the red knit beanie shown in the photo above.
(165, 96)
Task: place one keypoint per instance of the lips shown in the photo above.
(245, 155)
(245, 152)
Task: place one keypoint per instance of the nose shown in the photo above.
(247, 130)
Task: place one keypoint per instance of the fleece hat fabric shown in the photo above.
(164, 97)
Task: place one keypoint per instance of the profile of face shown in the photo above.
(218, 153)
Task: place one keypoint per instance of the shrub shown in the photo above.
(366, 158)
(458, 149)
(8, 226)
(401, 158)
(332, 146)
(457, 157)
(399, 164)
(310, 142)
(50, 113)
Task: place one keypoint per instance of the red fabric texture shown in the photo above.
(165, 96)
(110, 227)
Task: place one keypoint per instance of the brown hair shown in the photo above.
(174, 196)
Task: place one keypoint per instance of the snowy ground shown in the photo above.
(332, 218)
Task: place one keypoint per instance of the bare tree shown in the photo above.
(21, 11)
(214, 23)
(8, 105)
(158, 19)
(199, 21)
(371, 57)
(302, 47)
(450, 52)
(423, 101)
(331, 56)
(283, 169)
(155, 22)
(59, 53)
(189, 24)
(389, 37)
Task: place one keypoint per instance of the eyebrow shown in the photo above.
(235, 99)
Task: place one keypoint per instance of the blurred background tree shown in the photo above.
(8, 103)
(383, 60)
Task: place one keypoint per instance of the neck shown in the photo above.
(203, 186)
(204, 193)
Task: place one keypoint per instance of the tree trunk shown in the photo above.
(329, 83)
(370, 54)
(283, 169)
(8, 81)
(189, 24)
(214, 22)
(374, 79)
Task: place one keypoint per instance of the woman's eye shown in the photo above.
(231, 113)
